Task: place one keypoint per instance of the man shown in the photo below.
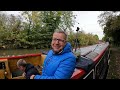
(27, 68)
(60, 61)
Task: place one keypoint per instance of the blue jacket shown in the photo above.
(58, 66)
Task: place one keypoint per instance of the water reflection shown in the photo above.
(18, 52)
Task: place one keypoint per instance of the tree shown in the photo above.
(111, 23)
(33, 29)
(40, 25)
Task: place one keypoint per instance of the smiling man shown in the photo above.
(60, 61)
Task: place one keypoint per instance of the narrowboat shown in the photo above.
(92, 64)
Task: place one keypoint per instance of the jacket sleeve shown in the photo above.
(64, 71)
(28, 75)
(31, 72)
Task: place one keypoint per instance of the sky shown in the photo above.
(88, 22)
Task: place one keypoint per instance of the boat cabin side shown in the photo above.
(8, 66)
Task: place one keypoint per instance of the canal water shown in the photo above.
(16, 52)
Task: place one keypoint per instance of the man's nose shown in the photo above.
(57, 41)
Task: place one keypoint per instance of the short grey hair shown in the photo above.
(21, 62)
(61, 31)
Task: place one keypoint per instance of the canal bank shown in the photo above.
(114, 65)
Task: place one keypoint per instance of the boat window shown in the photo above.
(2, 65)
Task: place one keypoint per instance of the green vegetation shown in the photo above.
(114, 65)
(110, 21)
(34, 29)
(84, 39)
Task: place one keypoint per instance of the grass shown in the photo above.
(114, 65)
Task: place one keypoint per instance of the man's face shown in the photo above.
(21, 68)
(58, 42)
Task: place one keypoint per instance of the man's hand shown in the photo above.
(24, 74)
(32, 76)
